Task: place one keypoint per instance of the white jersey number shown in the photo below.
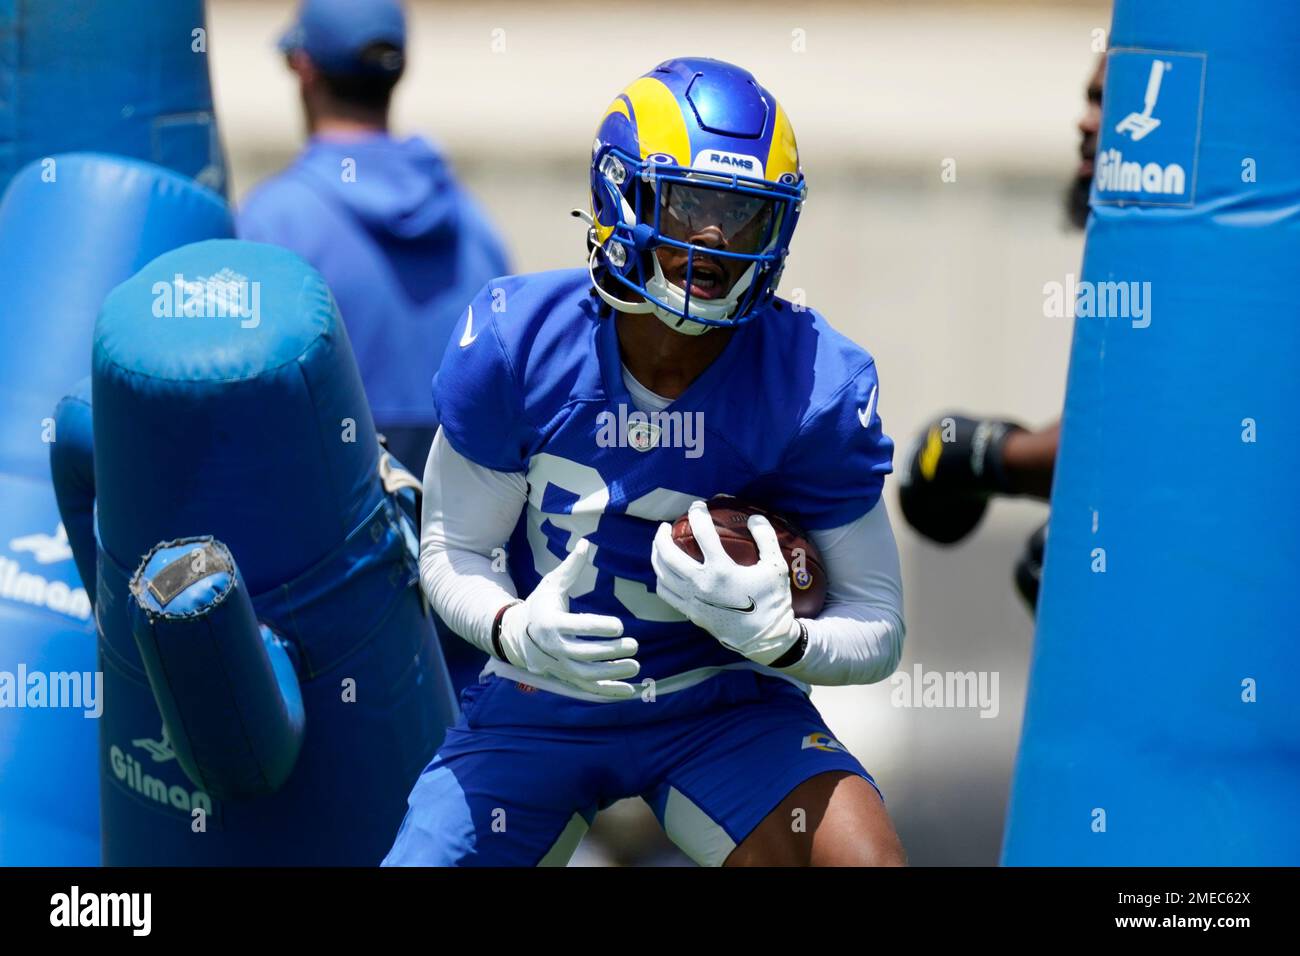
(586, 485)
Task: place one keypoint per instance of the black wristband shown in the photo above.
(796, 650)
(995, 477)
(497, 649)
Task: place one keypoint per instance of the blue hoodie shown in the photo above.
(402, 246)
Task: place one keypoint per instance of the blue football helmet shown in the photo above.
(697, 157)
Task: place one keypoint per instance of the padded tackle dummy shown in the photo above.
(128, 77)
(1161, 726)
(71, 228)
(228, 406)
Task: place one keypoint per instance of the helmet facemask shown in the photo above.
(655, 203)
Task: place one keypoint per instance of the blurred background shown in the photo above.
(940, 277)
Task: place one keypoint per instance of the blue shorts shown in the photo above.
(522, 774)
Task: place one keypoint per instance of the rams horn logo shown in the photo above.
(822, 741)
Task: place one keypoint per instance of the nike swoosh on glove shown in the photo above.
(748, 608)
(538, 635)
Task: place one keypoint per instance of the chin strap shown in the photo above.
(621, 305)
(674, 322)
(591, 223)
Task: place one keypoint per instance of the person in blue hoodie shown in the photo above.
(402, 245)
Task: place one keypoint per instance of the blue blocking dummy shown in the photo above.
(272, 682)
(128, 77)
(71, 228)
(1161, 725)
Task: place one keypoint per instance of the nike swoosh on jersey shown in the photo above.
(470, 335)
(731, 607)
(864, 414)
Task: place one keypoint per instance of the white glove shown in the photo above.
(748, 608)
(538, 634)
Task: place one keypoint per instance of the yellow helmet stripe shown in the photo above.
(659, 124)
(783, 155)
(618, 106)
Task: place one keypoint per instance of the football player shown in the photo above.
(584, 410)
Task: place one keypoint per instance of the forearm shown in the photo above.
(858, 637)
(468, 514)
(1029, 459)
(465, 592)
(850, 644)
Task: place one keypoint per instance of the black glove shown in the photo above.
(956, 465)
(1029, 569)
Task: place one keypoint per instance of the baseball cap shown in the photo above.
(334, 32)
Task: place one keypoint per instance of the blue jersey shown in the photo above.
(785, 417)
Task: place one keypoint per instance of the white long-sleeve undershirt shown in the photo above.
(469, 512)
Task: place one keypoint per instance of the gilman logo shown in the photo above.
(131, 773)
(45, 548)
(1151, 128)
(27, 588)
(1115, 175)
(1138, 125)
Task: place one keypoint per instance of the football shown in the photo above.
(731, 516)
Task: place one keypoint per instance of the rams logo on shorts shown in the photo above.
(822, 741)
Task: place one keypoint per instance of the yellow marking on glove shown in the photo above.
(930, 454)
